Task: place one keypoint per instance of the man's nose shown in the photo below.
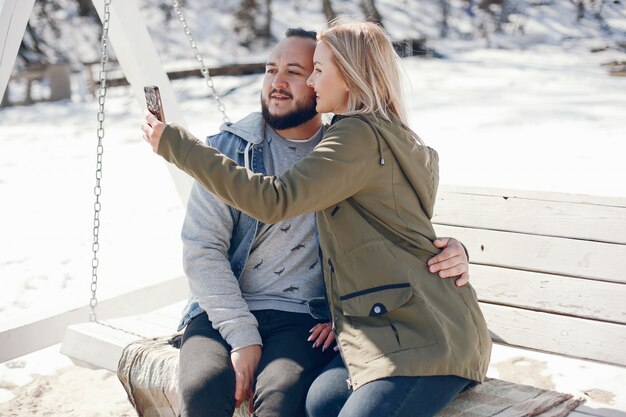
(279, 81)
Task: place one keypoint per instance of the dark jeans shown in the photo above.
(418, 396)
(287, 368)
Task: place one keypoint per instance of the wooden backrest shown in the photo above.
(549, 268)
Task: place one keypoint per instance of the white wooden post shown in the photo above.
(14, 15)
(140, 62)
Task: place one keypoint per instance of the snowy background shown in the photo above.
(533, 110)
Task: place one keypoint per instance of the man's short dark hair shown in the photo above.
(301, 33)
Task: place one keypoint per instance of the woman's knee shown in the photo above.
(328, 393)
(404, 396)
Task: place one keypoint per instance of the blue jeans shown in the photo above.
(419, 396)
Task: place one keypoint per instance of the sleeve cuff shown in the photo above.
(244, 337)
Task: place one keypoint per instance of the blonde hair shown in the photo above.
(369, 65)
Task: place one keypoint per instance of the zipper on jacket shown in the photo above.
(330, 306)
(395, 332)
(334, 327)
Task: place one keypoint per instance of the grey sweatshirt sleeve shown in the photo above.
(206, 235)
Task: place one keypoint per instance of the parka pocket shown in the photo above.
(377, 301)
(386, 319)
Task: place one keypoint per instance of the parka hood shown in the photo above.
(419, 163)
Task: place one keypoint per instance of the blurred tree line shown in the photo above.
(253, 19)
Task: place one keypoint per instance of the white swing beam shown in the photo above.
(14, 16)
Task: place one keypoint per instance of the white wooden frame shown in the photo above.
(14, 16)
(50, 328)
(139, 60)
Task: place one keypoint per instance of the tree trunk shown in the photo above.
(371, 13)
(327, 7)
(581, 10)
(86, 8)
(248, 27)
(31, 51)
(245, 24)
(267, 30)
(445, 12)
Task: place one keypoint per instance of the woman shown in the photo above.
(409, 342)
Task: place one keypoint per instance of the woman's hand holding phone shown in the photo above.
(152, 130)
(154, 123)
(153, 101)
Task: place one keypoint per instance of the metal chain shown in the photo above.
(100, 149)
(196, 54)
(119, 329)
(98, 189)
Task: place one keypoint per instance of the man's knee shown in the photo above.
(206, 382)
(272, 403)
(281, 391)
(207, 395)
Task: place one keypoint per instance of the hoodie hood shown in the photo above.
(251, 128)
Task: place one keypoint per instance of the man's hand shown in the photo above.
(451, 261)
(244, 362)
(323, 335)
(152, 130)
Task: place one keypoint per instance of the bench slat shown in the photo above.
(550, 293)
(93, 345)
(579, 220)
(571, 257)
(534, 195)
(587, 339)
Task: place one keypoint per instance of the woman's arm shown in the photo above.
(336, 169)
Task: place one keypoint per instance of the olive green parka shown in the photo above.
(373, 189)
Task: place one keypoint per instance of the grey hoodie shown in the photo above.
(282, 271)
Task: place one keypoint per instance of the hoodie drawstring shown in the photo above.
(380, 148)
(246, 155)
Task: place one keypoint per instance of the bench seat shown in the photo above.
(549, 271)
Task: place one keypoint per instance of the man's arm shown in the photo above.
(206, 235)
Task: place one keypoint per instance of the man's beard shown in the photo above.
(300, 115)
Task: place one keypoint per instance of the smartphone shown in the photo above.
(153, 101)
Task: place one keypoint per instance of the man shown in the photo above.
(248, 325)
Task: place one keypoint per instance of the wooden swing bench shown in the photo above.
(549, 270)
